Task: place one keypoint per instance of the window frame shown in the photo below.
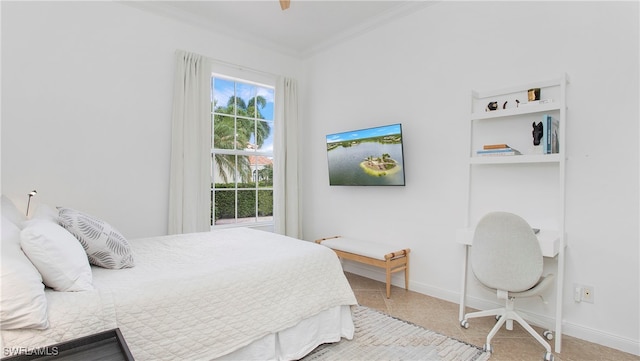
(259, 80)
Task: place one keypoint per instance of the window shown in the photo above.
(242, 152)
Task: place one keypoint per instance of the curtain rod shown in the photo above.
(235, 66)
(243, 68)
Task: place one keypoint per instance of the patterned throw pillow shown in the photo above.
(104, 245)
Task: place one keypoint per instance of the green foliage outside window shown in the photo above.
(225, 201)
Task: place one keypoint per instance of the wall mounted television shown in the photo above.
(366, 157)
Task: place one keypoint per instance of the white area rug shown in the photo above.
(380, 337)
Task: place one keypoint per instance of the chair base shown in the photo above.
(506, 316)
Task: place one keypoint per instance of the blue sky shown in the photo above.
(223, 90)
(364, 133)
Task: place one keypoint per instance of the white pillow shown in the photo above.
(22, 303)
(58, 256)
(11, 212)
(10, 231)
(105, 246)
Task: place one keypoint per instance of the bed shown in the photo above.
(234, 293)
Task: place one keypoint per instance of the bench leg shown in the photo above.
(406, 274)
(388, 280)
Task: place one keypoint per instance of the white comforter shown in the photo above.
(199, 296)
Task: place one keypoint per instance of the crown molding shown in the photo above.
(164, 9)
(370, 25)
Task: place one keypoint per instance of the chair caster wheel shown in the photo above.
(498, 317)
(464, 324)
(488, 348)
(548, 356)
(548, 335)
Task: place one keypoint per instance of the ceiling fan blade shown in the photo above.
(284, 4)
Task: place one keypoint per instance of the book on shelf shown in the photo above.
(554, 147)
(497, 152)
(495, 146)
(550, 134)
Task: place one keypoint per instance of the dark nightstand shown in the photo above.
(104, 346)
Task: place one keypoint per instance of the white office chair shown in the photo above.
(506, 258)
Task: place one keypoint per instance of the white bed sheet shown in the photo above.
(201, 296)
(71, 315)
(294, 343)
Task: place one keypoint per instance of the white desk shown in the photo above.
(550, 245)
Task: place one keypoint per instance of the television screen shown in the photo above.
(366, 157)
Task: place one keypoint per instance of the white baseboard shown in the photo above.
(569, 329)
(397, 279)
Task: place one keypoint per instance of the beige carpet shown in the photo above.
(384, 338)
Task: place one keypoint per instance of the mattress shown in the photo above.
(201, 296)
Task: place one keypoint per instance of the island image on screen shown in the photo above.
(366, 157)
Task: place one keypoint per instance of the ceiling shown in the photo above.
(306, 27)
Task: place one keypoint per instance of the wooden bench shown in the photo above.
(371, 253)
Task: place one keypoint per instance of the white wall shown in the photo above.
(419, 71)
(86, 105)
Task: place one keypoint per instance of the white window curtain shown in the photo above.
(190, 178)
(285, 192)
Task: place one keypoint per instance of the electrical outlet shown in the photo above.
(587, 294)
(582, 293)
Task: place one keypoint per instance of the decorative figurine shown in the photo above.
(537, 133)
(492, 106)
(533, 94)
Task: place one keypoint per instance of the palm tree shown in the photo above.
(223, 138)
(262, 129)
(237, 106)
(235, 133)
(266, 174)
(369, 160)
